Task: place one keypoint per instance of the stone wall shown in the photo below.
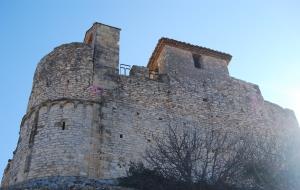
(105, 43)
(66, 72)
(55, 139)
(142, 108)
(67, 182)
(86, 120)
(60, 133)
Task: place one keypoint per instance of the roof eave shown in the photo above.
(186, 46)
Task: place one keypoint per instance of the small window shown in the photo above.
(63, 126)
(197, 61)
(121, 136)
(48, 82)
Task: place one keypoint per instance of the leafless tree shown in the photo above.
(211, 156)
(274, 164)
(199, 155)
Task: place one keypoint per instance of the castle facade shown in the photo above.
(86, 121)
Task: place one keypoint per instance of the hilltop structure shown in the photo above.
(86, 122)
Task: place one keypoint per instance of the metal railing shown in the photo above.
(124, 69)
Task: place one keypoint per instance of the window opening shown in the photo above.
(63, 127)
(197, 61)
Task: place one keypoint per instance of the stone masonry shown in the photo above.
(86, 120)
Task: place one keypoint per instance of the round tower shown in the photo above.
(58, 134)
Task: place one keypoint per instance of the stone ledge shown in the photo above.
(66, 182)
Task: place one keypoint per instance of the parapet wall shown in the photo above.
(66, 72)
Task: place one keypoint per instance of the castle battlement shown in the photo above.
(85, 121)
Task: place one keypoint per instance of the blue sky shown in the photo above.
(262, 36)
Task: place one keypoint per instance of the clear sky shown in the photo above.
(263, 37)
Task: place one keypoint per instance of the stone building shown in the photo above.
(85, 121)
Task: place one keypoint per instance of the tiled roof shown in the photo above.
(186, 46)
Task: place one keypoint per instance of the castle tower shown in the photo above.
(57, 132)
(105, 43)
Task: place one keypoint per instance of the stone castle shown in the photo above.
(85, 121)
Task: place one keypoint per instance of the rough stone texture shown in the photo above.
(59, 183)
(66, 72)
(84, 119)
